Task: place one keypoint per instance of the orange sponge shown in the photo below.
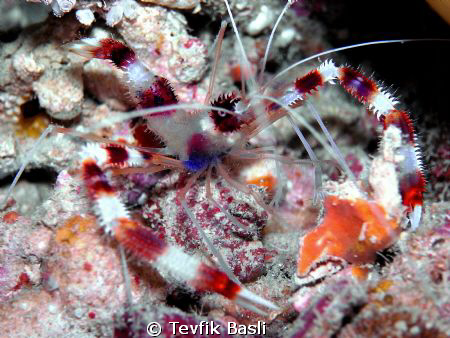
(352, 231)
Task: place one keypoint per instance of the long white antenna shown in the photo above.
(28, 158)
(241, 46)
(371, 43)
(269, 43)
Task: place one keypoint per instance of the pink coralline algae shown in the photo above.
(326, 309)
(444, 229)
(136, 187)
(13, 270)
(242, 249)
(440, 173)
(354, 164)
(135, 321)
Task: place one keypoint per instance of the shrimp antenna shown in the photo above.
(126, 276)
(269, 43)
(318, 195)
(27, 160)
(222, 263)
(126, 116)
(338, 153)
(335, 50)
(241, 46)
(218, 48)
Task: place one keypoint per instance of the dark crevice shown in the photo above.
(353, 311)
(31, 108)
(38, 175)
(385, 257)
(185, 300)
(372, 146)
(66, 123)
(272, 66)
(10, 35)
(199, 23)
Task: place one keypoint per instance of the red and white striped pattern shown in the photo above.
(378, 99)
(139, 240)
(148, 89)
(381, 102)
(412, 178)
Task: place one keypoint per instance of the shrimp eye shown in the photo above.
(224, 121)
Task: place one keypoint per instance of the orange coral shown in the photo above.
(32, 119)
(383, 285)
(74, 225)
(360, 273)
(352, 231)
(32, 126)
(267, 181)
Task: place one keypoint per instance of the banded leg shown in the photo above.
(149, 90)
(147, 246)
(381, 102)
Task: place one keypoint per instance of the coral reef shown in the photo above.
(347, 265)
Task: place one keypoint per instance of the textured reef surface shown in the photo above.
(343, 263)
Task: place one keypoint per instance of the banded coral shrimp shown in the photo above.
(201, 159)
